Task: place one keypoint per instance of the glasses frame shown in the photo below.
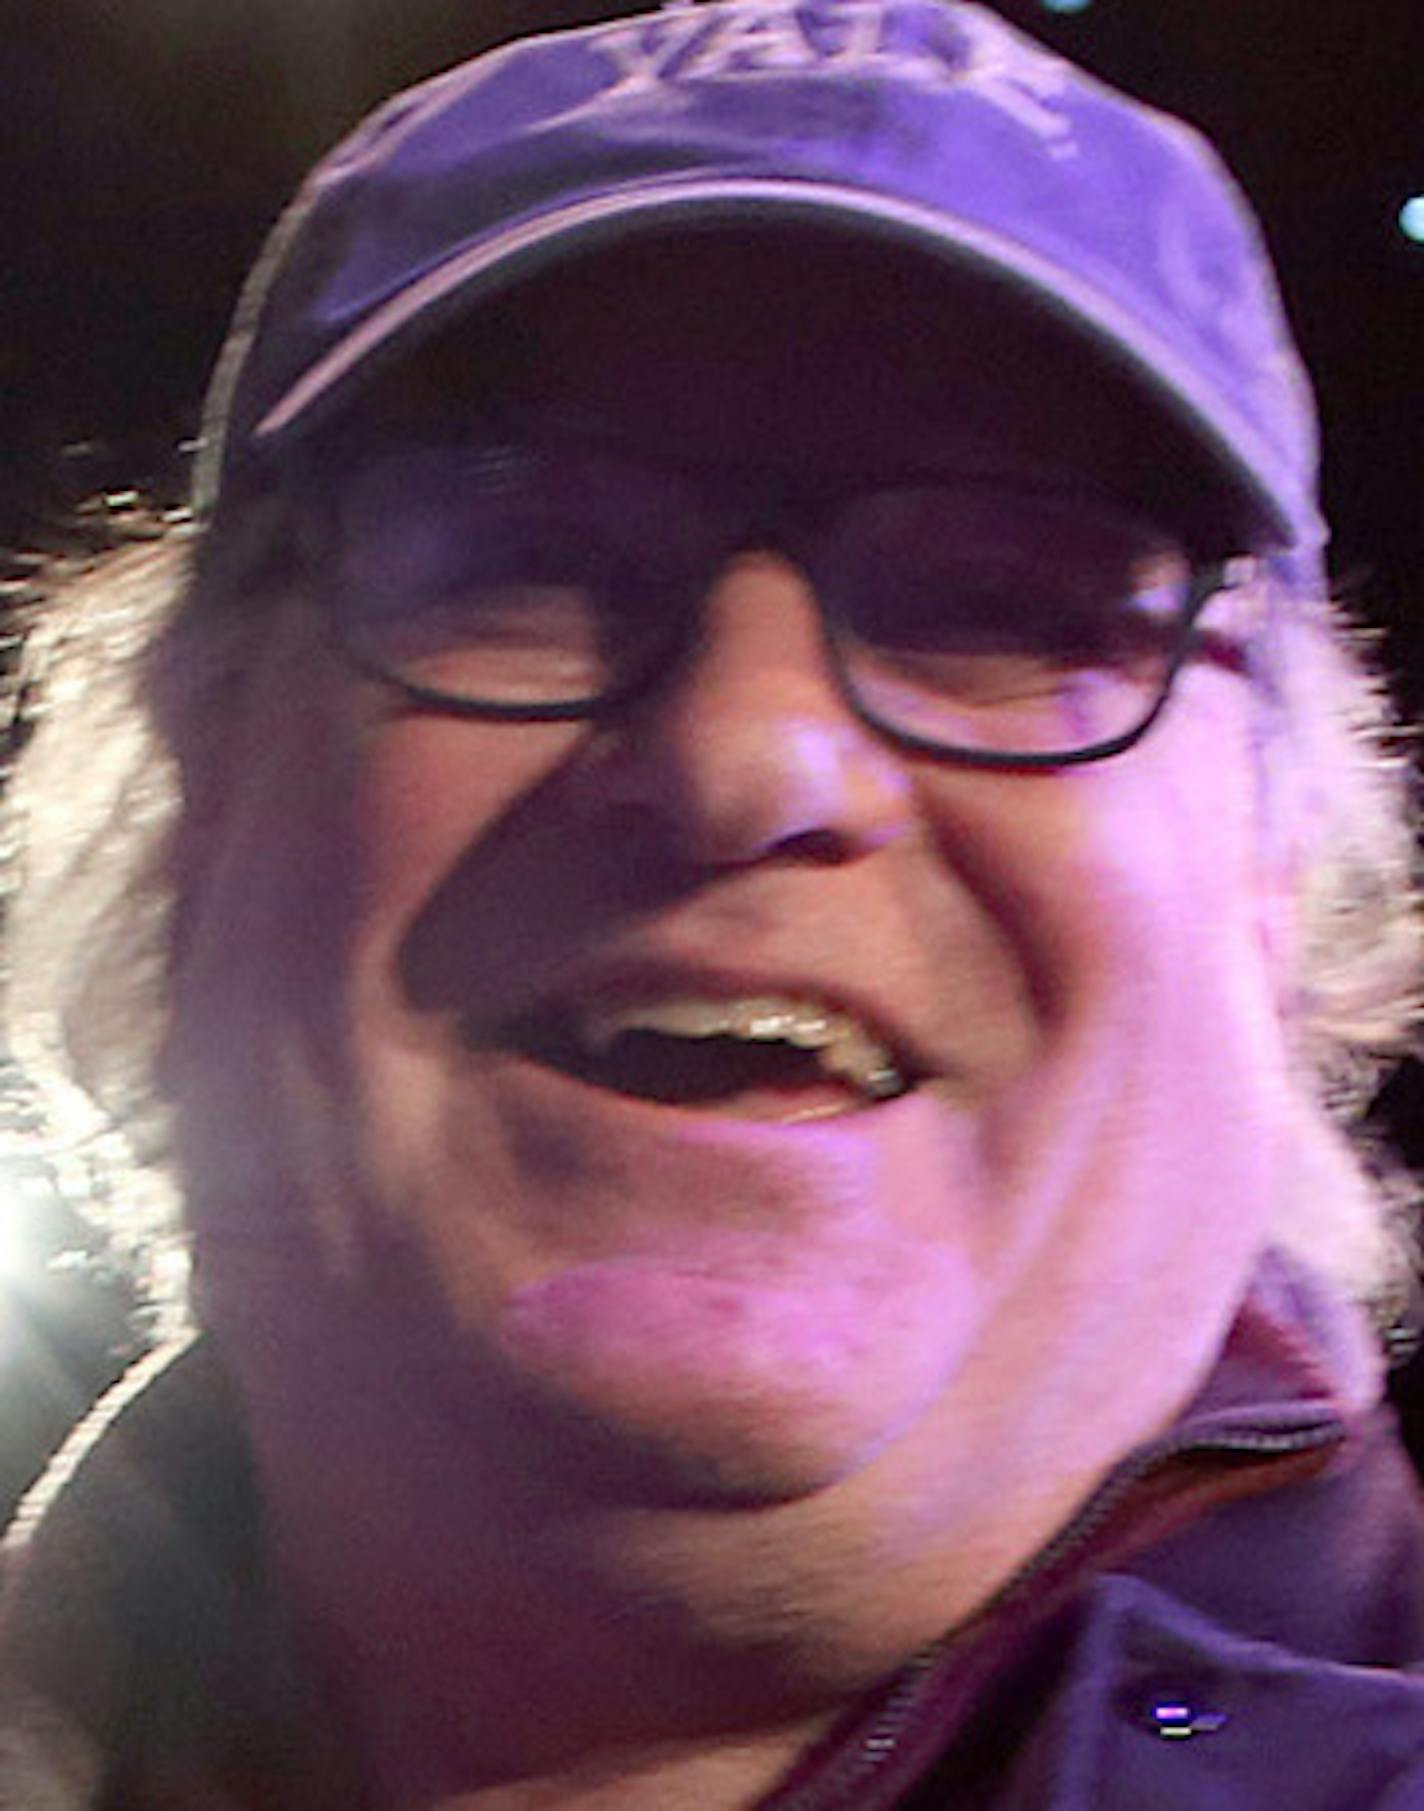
(1207, 581)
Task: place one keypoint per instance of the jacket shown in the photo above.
(1234, 1621)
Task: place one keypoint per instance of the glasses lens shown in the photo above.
(1007, 624)
(498, 575)
(523, 575)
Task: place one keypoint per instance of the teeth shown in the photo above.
(843, 1047)
(866, 1065)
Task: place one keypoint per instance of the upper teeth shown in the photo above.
(843, 1046)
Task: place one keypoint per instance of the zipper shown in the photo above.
(838, 1787)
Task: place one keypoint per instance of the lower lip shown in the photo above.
(803, 1104)
(757, 1112)
(605, 1176)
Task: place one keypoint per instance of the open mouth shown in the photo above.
(764, 1057)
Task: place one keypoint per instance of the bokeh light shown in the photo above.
(1411, 219)
(1066, 6)
(27, 1204)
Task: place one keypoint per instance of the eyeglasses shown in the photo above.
(536, 578)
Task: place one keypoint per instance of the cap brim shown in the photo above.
(1273, 515)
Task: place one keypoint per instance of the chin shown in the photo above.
(688, 1387)
(705, 1448)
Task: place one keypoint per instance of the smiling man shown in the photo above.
(775, 851)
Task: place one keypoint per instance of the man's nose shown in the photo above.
(749, 747)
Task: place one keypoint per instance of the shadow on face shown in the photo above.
(803, 352)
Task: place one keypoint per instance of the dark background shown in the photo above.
(146, 145)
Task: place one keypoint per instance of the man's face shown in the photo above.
(773, 1285)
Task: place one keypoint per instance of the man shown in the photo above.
(760, 766)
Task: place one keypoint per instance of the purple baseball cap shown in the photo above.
(928, 123)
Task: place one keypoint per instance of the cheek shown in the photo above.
(259, 966)
(1129, 898)
(1137, 1157)
(433, 792)
(1184, 836)
(447, 896)
(1163, 1014)
(1132, 877)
